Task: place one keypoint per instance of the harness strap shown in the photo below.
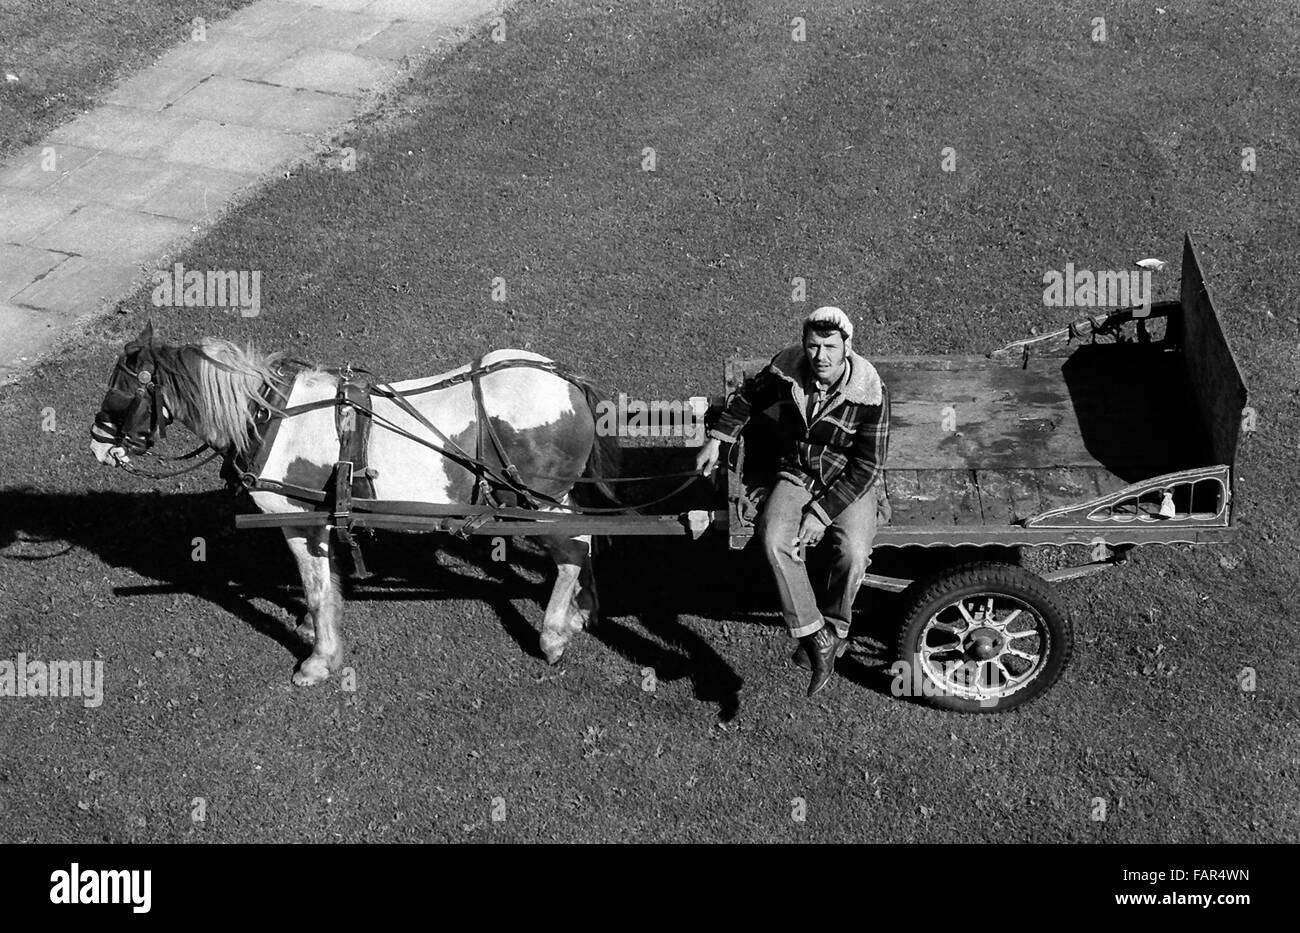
(244, 474)
(483, 490)
(490, 478)
(488, 430)
(351, 476)
(352, 418)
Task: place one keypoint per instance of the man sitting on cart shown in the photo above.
(834, 412)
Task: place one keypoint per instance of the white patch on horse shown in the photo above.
(408, 470)
(310, 436)
(535, 398)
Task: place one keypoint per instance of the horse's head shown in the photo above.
(134, 413)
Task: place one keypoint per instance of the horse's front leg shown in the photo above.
(320, 584)
(571, 605)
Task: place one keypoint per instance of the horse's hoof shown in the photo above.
(311, 672)
(553, 649)
(553, 657)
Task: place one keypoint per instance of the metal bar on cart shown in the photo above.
(687, 525)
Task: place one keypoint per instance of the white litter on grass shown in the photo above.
(1156, 264)
(11, 77)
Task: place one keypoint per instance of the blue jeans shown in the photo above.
(849, 539)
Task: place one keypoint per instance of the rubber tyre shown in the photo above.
(999, 579)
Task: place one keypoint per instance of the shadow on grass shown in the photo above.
(654, 582)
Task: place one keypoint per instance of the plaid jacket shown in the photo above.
(837, 457)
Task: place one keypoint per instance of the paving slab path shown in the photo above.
(87, 212)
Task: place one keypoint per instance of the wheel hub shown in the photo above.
(984, 644)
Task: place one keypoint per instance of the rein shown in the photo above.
(145, 474)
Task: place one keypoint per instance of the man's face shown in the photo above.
(825, 355)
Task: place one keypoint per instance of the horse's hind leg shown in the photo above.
(587, 599)
(320, 584)
(572, 601)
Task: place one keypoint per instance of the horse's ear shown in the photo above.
(146, 335)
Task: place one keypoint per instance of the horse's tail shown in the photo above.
(604, 462)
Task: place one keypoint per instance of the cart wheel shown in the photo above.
(982, 638)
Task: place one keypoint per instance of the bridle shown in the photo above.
(132, 415)
(135, 415)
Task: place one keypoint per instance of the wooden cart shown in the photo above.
(1127, 439)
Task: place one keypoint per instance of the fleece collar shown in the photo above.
(863, 387)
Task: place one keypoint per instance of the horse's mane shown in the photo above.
(219, 402)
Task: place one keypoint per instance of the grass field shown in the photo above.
(65, 54)
(774, 159)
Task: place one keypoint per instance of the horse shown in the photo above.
(545, 423)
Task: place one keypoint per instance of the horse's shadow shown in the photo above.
(652, 581)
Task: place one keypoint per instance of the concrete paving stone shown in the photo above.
(195, 193)
(124, 130)
(350, 6)
(234, 148)
(232, 100)
(254, 103)
(263, 18)
(81, 286)
(311, 112)
(436, 11)
(24, 214)
(333, 72)
(406, 38)
(27, 169)
(122, 181)
(24, 334)
(153, 89)
(20, 265)
(100, 231)
(319, 28)
(227, 53)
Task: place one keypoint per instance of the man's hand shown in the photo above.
(811, 530)
(707, 458)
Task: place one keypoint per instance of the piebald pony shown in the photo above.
(544, 421)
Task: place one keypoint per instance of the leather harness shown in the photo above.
(137, 401)
(352, 476)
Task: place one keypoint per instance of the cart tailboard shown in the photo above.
(1212, 371)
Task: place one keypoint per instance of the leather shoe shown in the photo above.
(823, 646)
(800, 656)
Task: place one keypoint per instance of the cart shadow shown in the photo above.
(647, 585)
(251, 575)
(705, 580)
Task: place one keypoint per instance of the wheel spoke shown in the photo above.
(954, 627)
(1025, 634)
(965, 613)
(1017, 653)
(1009, 619)
(945, 651)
